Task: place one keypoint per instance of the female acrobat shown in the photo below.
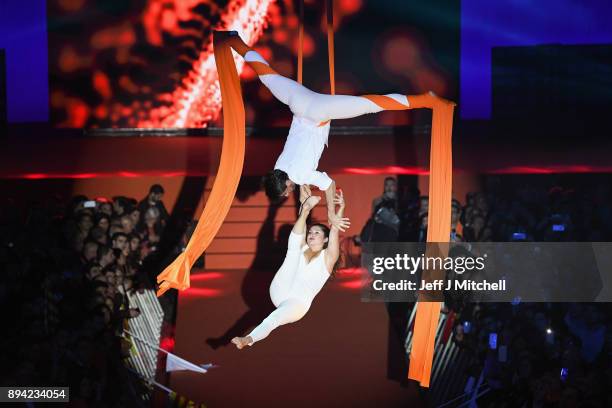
(311, 256)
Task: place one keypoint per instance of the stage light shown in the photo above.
(493, 341)
(550, 336)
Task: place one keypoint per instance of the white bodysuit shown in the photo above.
(309, 132)
(297, 282)
(293, 288)
(302, 151)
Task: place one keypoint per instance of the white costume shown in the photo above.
(297, 282)
(308, 133)
(293, 288)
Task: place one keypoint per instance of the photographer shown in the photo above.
(384, 224)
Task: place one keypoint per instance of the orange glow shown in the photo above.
(265, 51)
(349, 6)
(190, 96)
(34, 176)
(167, 343)
(400, 54)
(126, 83)
(248, 73)
(69, 61)
(342, 9)
(280, 36)
(428, 80)
(562, 169)
(418, 171)
(351, 278)
(151, 173)
(206, 276)
(292, 21)
(150, 19)
(78, 112)
(41, 176)
(168, 20)
(197, 99)
(102, 84)
(127, 174)
(309, 45)
(352, 284)
(350, 272)
(114, 37)
(537, 170)
(101, 112)
(200, 293)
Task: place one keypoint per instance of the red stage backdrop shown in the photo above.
(149, 63)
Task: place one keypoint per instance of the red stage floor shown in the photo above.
(335, 356)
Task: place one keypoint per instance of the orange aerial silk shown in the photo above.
(330, 46)
(176, 275)
(300, 59)
(439, 223)
(438, 230)
(440, 196)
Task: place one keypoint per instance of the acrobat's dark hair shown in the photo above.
(326, 230)
(275, 182)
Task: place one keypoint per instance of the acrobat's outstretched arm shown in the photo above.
(307, 203)
(333, 246)
(332, 217)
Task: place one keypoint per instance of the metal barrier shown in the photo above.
(143, 359)
(449, 369)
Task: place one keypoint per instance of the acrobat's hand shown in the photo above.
(339, 200)
(339, 223)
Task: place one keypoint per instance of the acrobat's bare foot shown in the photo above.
(240, 342)
(311, 202)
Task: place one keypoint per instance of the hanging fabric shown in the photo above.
(176, 275)
(330, 46)
(438, 231)
(300, 43)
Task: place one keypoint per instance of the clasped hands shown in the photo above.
(334, 217)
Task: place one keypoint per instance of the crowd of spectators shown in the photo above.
(499, 214)
(530, 354)
(539, 354)
(68, 267)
